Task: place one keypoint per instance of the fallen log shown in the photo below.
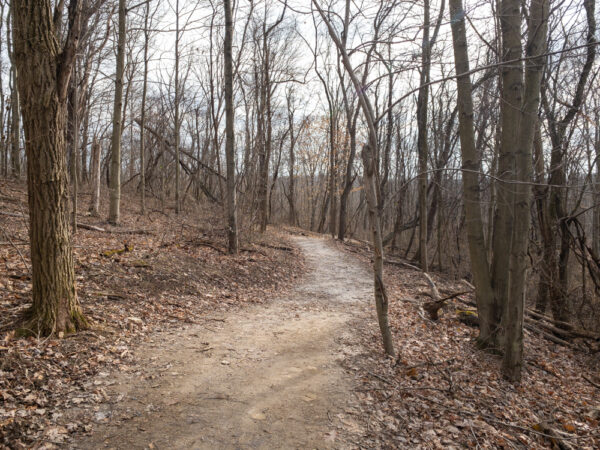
(469, 318)
(538, 315)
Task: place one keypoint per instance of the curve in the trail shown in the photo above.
(266, 376)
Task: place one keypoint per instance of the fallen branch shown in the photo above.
(276, 247)
(553, 435)
(528, 325)
(104, 230)
(17, 249)
(433, 307)
(6, 213)
(402, 264)
(209, 244)
(562, 328)
(90, 227)
(596, 385)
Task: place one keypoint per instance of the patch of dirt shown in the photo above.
(268, 376)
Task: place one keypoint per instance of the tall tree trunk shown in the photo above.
(177, 120)
(544, 222)
(3, 155)
(348, 176)
(511, 100)
(232, 231)
(15, 114)
(15, 127)
(263, 156)
(596, 218)
(292, 165)
(369, 163)
(44, 70)
(85, 127)
(268, 134)
(422, 104)
(554, 268)
(114, 214)
(471, 164)
(332, 172)
(381, 298)
(96, 170)
(143, 114)
(74, 146)
(513, 314)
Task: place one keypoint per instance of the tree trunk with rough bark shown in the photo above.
(232, 230)
(74, 147)
(95, 174)
(381, 298)
(422, 105)
(44, 70)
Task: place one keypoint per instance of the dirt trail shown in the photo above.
(265, 377)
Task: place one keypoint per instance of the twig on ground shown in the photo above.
(16, 248)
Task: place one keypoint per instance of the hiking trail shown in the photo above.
(265, 376)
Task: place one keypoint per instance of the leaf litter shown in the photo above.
(441, 392)
(150, 274)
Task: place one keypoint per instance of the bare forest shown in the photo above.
(299, 224)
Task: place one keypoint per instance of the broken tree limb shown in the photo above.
(85, 226)
(6, 213)
(90, 227)
(554, 436)
(596, 385)
(531, 327)
(433, 307)
(209, 244)
(169, 145)
(566, 333)
(276, 247)
(402, 264)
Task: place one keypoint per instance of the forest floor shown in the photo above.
(442, 392)
(157, 273)
(277, 347)
(268, 376)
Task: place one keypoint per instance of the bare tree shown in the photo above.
(369, 163)
(232, 230)
(114, 213)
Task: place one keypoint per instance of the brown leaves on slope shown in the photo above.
(442, 392)
(165, 277)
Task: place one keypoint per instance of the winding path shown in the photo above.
(266, 376)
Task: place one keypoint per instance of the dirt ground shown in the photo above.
(268, 376)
